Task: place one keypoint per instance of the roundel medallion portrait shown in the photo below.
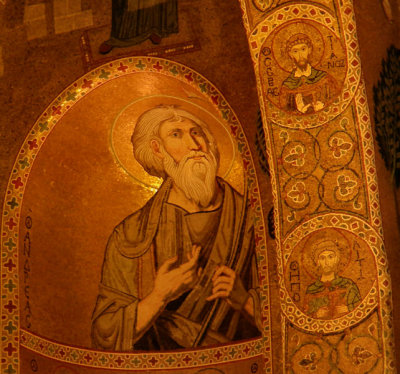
(304, 73)
(330, 279)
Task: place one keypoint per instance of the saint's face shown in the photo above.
(300, 54)
(327, 261)
(181, 137)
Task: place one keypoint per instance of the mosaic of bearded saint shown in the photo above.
(181, 271)
(306, 90)
(331, 295)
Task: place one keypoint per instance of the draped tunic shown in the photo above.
(133, 21)
(143, 241)
(318, 86)
(330, 295)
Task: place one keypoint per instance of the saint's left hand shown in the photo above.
(228, 286)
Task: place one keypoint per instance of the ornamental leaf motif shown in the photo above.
(360, 355)
(298, 192)
(296, 157)
(308, 362)
(263, 5)
(345, 184)
(339, 147)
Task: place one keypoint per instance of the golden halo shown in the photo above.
(124, 123)
(285, 32)
(328, 234)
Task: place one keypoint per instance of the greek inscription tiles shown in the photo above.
(305, 91)
(319, 171)
(330, 269)
(357, 350)
(27, 246)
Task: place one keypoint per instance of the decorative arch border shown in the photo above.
(11, 248)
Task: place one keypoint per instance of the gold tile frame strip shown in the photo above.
(338, 15)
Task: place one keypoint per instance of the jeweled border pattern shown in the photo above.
(139, 361)
(345, 12)
(10, 287)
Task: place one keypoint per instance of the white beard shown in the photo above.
(196, 178)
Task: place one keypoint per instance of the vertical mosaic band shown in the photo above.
(337, 315)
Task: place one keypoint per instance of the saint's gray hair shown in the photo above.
(147, 129)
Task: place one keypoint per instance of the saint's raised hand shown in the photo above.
(170, 284)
